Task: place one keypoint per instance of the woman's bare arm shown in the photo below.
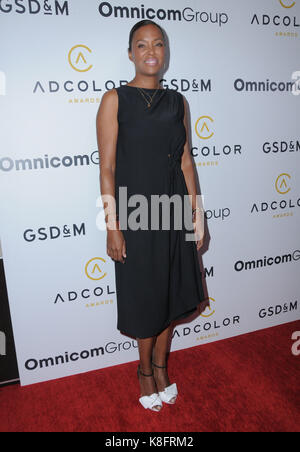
(107, 136)
(187, 167)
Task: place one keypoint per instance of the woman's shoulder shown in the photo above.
(110, 97)
(175, 90)
(109, 101)
(176, 93)
(111, 93)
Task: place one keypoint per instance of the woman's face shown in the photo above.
(148, 50)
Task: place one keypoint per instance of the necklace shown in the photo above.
(149, 102)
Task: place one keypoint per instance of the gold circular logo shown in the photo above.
(78, 58)
(208, 310)
(204, 133)
(93, 269)
(282, 183)
(286, 6)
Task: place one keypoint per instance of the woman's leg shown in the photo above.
(145, 351)
(160, 359)
(161, 347)
(147, 384)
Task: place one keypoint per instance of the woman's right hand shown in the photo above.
(116, 246)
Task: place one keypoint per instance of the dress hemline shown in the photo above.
(168, 323)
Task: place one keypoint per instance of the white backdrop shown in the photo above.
(57, 59)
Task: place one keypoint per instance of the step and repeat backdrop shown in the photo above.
(237, 64)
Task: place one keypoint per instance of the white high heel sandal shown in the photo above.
(152, 401)
(170, 392)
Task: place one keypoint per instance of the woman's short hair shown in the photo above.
(139, 25)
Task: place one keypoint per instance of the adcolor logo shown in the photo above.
(279, 20)
(93, 296)
(78, 58)
(282, 183)
(286, 4)
(208, 312)
(204, 129)
(93, 269)
(210, 328)
(282, 207)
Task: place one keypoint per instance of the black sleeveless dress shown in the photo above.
(160, 280)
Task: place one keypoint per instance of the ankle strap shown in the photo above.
(160, 367)
(145, 375)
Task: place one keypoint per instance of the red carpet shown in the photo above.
(249, 383)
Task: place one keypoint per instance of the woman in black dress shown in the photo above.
(143, 143)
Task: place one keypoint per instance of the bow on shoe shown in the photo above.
(151, 401)
(168, 393)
